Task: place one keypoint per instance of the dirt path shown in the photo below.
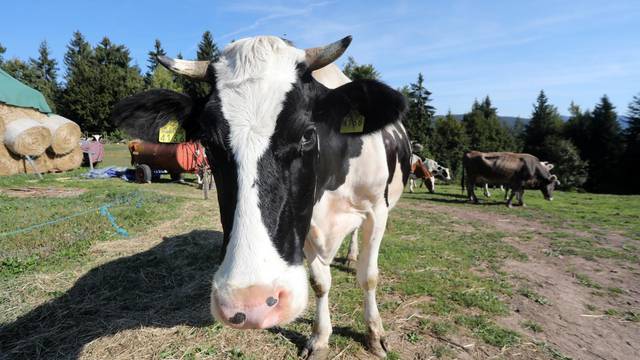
(579, 304)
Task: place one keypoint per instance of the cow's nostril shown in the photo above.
(271, 301)
(238, 318)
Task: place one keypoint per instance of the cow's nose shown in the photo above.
(251, 308)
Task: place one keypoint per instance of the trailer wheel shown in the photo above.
(143, 174)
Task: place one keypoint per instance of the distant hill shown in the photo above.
(510, 120)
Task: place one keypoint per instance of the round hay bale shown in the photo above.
(65, 134)
(42, 163)
(9, 163)
(26, 137)
(67, 162)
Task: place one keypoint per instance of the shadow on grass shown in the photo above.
(165, 286)
(300, 340)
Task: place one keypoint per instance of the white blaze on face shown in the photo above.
(253, 78)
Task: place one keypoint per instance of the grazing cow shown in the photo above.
(420, 171)
(505, 188)
(516, 170)
(438, 170)
(303, 157)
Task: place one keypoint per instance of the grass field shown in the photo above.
(554, 280)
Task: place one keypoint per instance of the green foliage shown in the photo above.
(40, 74)
(153, 56)
(207, 50)
(418, 121)
(605, 148)
(484, 130)
(449, 142)
(545, 122)
(576, 129)
(2, 51)
(162, 78)
(629, 166)
(570, 169)
(96, 79)
(355, 71)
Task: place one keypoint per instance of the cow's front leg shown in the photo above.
(520, 198)
(486, 190)
(471, 185)
(318, 345)
(367, 274)
(510, 200)
(352, 257)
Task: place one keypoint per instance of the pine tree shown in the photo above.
(449, 142)
(576, 129)
(96, 80)
(630, 168)
(2, 51)
(545, 121)
(605, 148)
(485, 131)
(78, 49)
(207, 50)
(419, 118)
(153, 56)
(47, 69)
(355, 71)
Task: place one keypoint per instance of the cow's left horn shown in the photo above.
(196, 70)
(320, 57)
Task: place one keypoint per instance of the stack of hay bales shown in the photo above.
(52, 141)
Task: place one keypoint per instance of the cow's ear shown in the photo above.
(360, 107)
(144, 114)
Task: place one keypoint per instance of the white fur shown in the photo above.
(253, 77)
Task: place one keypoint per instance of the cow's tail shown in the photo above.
(462, 181)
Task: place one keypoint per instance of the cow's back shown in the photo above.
(492, 167)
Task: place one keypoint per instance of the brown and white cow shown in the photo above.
(518, 171)
(420, 171)
(292, 179)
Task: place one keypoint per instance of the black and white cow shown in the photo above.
(290, 184)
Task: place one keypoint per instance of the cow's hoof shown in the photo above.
(377, 346)
(523, 205)
(510, 206)
(311, 353)
(351, 264)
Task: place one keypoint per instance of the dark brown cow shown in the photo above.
(516, 170)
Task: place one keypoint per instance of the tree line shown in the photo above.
(97, 76)
(589, 150)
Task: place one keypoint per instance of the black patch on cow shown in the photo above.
(142, 115)
(291, 178)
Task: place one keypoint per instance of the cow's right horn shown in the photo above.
(320, 57)
(196, 70)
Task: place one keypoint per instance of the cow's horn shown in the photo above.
(320, 57)
(196, 70)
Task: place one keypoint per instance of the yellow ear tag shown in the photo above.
(172, 132)
(353, 123)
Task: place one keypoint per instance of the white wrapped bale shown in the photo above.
(26, 137)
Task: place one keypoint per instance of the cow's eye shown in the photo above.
(308, 140)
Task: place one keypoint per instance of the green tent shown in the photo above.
(15, 93)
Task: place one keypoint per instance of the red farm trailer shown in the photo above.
(176, 159)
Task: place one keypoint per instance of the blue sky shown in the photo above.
(574, 50)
